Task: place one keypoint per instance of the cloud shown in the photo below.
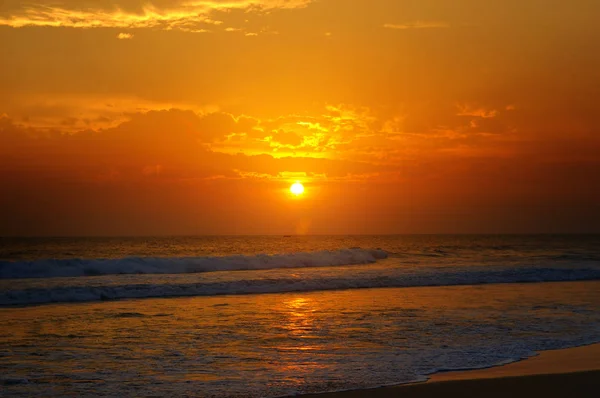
(287, 138)
(417, 25)
(161, 167)
(183, 15)
(163, 144)
(124, 36)
(46, 111)
(471, 110)
(319, 135)
(220, 124)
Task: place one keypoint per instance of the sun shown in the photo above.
(297, 188)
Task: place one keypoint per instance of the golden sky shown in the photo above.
(127, 117)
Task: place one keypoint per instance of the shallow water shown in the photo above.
(282, 344)
(435, 303)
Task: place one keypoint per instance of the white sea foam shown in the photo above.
(181, 265)
(398, 278)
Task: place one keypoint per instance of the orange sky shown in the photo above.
(130, 117)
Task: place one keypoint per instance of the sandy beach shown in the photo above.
(573, 372)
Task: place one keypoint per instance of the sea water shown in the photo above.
(276, 316)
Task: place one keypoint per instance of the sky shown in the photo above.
(184, 117)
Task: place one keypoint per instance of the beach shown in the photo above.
(299, 198)
(571, 372)
(190, 317)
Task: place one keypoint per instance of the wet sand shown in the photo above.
(578, 359)
(573, 372)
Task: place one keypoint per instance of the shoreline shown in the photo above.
(319, 290)
(582, 358)
(553, 373)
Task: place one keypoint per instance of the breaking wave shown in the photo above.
(184, 265)
(400, 278)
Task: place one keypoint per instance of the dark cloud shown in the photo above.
(172, 144)
(157, 174)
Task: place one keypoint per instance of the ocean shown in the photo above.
(272, 316)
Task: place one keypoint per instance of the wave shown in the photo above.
(404, 278)
(182, 265)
